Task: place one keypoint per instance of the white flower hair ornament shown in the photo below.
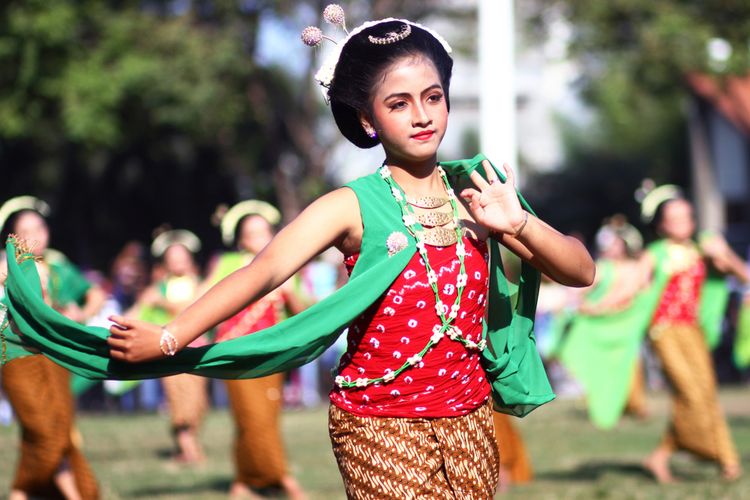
(334, 14)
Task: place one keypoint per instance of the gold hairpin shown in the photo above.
(392, 36)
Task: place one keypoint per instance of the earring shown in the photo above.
(371, 133)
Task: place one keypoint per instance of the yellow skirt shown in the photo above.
(698, 424)
(187, 400)
(258, 448)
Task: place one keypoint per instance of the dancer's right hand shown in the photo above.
(134, 340)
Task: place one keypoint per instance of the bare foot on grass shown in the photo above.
(731, 472)
(240, 491)
(657, 463)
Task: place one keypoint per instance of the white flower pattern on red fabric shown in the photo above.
(408, 300)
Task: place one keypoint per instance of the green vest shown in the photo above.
(513, 366)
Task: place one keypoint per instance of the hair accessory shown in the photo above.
(230, 218)
(175, 237)
(20, 203)
(168, 342)
(651, 197)
(334, 14)
(312, 36)
(391, 37)
(617, 226)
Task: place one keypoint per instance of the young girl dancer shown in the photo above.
(675, 294)
(186, 394)
(259, 458)
(410, 413)
(678, 270)
(50, 462)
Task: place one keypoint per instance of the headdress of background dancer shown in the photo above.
(175, 237)
(652, 198)
(19, 204)
(347, 76)
(229, 219)
(618, 226)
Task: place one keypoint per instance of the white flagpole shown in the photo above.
(497, 92)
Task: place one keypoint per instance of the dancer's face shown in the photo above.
(677, 220)
(409, 111)
(255, 233)
(178, 261)
(31, 227)
(615, 250)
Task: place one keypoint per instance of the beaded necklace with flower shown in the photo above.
(444, 313)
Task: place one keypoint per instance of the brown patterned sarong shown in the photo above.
(39, 391)
(698, 424)
(407, 458)
(513, 456)
(258, 449)
(187, 400)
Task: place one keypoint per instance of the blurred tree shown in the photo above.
(633, 56)
(128, 114)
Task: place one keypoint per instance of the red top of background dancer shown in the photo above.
(449, 381)
(264, 313)
(681, 298)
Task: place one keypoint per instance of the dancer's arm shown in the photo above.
(721, 255)
(294, 299)
(496, 206)
(621, 296)
(331, 220)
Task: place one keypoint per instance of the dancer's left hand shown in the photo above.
(494, 203)
(134, 340)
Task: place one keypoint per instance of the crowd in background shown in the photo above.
(134, 270)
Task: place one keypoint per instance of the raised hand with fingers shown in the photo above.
(133, 340)
(494, 203)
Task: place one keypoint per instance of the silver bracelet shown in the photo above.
(168, 342)
(523, 224)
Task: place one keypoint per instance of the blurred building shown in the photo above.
(719, 122)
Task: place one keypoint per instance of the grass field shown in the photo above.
(571, 458)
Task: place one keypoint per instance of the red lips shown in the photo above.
(424, 135)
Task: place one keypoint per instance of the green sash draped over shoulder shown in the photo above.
(512, 363)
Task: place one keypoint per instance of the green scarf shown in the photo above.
(519, 382)
(742, 338)
(601, 350)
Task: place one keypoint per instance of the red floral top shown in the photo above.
(681, 298)
(449, 381)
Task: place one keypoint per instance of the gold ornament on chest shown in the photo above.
(428, 202)
(440, 236)
(434, 218)
(439, 228)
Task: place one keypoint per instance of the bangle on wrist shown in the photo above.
(523, 225)
(168, 342)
